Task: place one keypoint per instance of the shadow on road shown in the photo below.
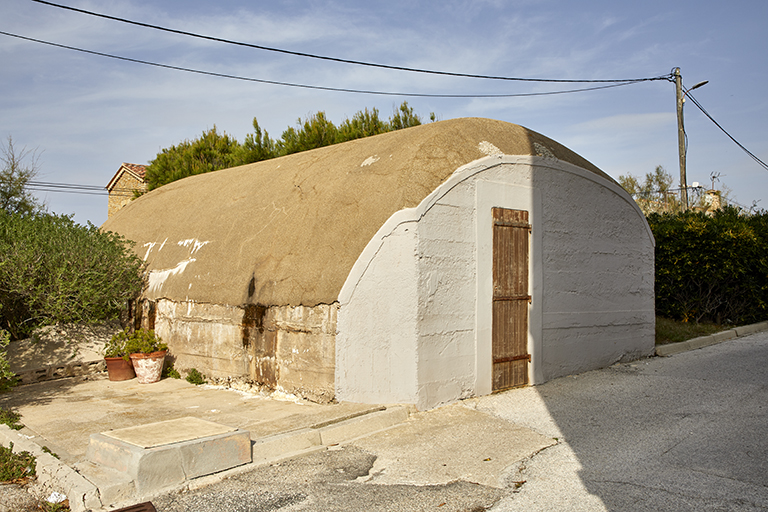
(689, 432)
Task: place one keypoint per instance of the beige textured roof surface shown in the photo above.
(288, 230)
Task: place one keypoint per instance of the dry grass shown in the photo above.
(672, 331)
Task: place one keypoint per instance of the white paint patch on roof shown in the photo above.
(194, 242)
(489, 149)
(370, 161)
(150, 245)
(158, 277)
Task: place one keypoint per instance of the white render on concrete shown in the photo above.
(414, 322)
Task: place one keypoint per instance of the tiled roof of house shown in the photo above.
(137, 170)
(140, 170)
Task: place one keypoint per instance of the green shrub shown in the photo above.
(673, 331)
(47, 506)
(54, 270)
(15, 466)
(116, 346)
(711, 268)
(195, 377)
(7, 377)
(142, 341)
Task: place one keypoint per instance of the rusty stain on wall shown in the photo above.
(260, 345)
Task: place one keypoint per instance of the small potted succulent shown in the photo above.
(119, 365)
(147, 352)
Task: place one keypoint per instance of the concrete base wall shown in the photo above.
(306, 349)
(280, 346)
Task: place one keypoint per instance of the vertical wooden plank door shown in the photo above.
(511, 232)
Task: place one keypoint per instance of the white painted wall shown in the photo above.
(415, 312)
(377, 324)
(446, 298)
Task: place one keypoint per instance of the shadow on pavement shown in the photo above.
(688, 432)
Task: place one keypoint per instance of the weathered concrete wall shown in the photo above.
(203, 336)
(292, 348)
(306, 349)
(446, 298)
(376, 355)
(590, 278)
(598, 276)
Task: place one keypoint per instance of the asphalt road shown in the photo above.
(687, 432)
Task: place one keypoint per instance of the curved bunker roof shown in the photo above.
(287, 231)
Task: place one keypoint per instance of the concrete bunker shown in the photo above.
(365, 271)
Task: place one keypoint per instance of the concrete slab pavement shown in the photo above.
(62, 415)
(453, 443)
(448, 444)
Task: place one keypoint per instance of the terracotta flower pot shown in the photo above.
(119, 369)
(148, 367)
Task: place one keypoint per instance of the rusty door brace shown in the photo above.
(504, 224)
(513, 358)
(514, 297)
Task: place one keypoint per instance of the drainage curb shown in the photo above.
(713, 339)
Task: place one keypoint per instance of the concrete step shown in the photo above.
(353, 428)
(322, 435)
(114, 486)
(139, 462)
(168, 453)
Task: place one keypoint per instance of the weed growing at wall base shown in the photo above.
(195, 377)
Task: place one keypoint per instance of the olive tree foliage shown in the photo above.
(18, 167)
(654, 194)
(213, 150)
(53, 270)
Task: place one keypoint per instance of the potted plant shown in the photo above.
(147, 352)
(119, 365)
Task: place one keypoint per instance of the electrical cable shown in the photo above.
(755, 158)
(337, 59)
(72, 188)
(319, 87)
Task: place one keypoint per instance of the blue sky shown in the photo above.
(87, 114)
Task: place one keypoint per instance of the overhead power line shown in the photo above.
(752, 155)
(344, 61)
(319, 87)
(74, 188)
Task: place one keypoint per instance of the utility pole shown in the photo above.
(681, 138)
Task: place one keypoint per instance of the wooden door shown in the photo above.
(511, 232)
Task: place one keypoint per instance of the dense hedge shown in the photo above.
(54, 270)
(712, 268)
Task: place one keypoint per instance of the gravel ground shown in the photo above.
(330, 481)
(19, 498)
